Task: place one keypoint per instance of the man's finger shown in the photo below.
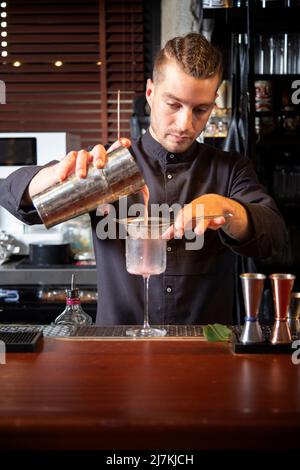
(179, 224)
(216, 223)
(66, 165)
(99, 156)
(122, 142)
(201, 227)
(82, 163)
(125, 142)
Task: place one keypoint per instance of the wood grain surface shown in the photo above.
(148, 395)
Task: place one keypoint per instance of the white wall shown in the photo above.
(178, 17)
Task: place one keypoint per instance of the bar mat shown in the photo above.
(21, 341)
(94, 331)
(53, 330)
(120, 331)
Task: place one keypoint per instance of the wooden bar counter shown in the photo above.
(148, 394)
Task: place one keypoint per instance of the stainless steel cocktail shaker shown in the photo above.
(75, 196)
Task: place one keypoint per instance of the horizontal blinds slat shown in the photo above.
(41, 126)
(52, 38)
(118, 19)
(47, 68)
(55, 117)
(136, 51)
(54, 48)
(85, 97)
(52, 19)
(125, 27)
(124, 38)
(52, 107)
(48, 87)
(126, 7)
(51, 57)
(20, 3)
(54, 77)
(60, 8)
(46, 28)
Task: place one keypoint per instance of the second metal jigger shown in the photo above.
(252, 285)
(282, 285)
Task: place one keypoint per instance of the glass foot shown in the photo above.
(145, 332)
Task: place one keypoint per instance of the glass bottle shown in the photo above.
(73, 314)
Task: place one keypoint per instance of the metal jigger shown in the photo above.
(252, 284)
(294, 315)
(282, 285)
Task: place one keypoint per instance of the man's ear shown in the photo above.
(149, 91)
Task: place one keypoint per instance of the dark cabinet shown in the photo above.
(268, 32)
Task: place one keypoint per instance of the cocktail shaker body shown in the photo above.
(75, 196)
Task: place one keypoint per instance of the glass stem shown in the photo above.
(146, 298)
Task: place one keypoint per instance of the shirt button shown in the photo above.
(171, 155)
(169, 248)
(170, 176)
(169, 290)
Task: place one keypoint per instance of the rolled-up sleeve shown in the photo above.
(268, 229)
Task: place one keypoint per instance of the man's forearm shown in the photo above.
(42, 180)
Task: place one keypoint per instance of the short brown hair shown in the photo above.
(193, 53)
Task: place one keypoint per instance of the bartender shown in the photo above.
(198, 286)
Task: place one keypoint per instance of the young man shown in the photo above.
(198, 286)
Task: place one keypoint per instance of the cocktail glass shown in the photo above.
(146, 256)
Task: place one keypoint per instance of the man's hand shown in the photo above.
(77, 162)
(232, 217)
(74, 162)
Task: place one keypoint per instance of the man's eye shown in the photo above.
(173, 105)
(201, 110)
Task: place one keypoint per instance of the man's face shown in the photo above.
(180, 107)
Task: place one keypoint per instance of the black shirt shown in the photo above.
(198, 286)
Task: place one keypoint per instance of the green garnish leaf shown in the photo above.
(216, 332)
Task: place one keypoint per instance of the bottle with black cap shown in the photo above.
(73, 314)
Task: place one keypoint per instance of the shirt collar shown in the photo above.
(158, 153)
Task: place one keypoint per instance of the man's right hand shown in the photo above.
(77, 162)
(74, 162)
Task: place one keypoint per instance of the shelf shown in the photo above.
(282, 142)
(277, 76)
(272, 18)
(277, 19)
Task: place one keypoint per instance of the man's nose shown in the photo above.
(185, 120)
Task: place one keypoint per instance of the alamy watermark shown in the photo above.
(2, 92)
(296, 354)
(115, 226)
(2, 352)
(295, 98)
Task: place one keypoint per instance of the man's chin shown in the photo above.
(177, 147)
(178, 143)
